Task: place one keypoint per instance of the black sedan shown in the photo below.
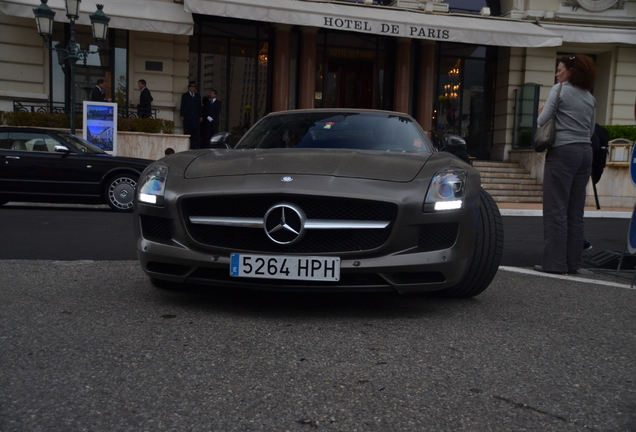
(320, 200)
(41, 165)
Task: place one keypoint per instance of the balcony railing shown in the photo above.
(60, 108)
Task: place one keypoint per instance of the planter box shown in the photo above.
(615, 189)
(149, 146)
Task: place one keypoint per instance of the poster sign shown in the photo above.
(631, 235)
(100, 125)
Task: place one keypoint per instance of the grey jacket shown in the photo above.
(576, 116)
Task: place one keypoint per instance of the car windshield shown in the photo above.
(337, 130)
(81, 144)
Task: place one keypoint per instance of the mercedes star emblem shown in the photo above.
(285, 223)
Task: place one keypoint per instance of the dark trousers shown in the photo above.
(566, 174)
(212, 128)
(194, 136)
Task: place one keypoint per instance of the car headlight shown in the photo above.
(152, 184)
(446, 190)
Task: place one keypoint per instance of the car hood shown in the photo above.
(387, 166)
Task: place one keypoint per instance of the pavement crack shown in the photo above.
(530, 408)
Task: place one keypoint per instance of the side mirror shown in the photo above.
(222, 140)
(61, 149)
(454, 142)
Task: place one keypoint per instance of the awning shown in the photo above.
(382, 21)
(591, 35)
(148, 16)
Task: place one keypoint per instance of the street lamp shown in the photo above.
(72, 51)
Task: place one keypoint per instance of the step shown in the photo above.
(512, 186)
(531, 183)
(523, 175)
(525, 182)
(512, 193)
(502, 170)
(509, 182)
(507, 199)
(478, 163)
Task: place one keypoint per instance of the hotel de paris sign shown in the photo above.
(385, 29)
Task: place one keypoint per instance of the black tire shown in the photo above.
(487, 254)
(120, 192)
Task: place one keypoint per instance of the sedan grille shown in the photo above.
(326, 240)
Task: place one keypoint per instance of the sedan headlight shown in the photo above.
(446, 191)
(152, 184)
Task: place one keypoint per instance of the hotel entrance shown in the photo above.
(349, 82)
(352, 71)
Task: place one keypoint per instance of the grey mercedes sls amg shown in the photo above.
(320, 200)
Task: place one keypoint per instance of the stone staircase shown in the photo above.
(509, 182)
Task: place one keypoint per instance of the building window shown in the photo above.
(109, 62)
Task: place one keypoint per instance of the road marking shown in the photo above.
(569, 277)
(587, 214)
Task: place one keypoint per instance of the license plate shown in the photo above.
(285, 267)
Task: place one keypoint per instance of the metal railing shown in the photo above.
(61, 108)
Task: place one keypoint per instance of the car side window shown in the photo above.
(4, 141)
(34, 142)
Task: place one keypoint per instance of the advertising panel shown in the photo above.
(100, 125)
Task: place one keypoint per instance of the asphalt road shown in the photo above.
(87, 344)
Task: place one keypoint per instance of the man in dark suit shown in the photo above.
(144, 109)
(191, 114)
(97, 94)
(211, 116)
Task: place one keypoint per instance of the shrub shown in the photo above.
(147, 125)
(620, 131)
(62, 121)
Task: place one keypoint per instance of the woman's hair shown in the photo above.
(582, 70)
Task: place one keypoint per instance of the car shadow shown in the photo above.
(285, 304)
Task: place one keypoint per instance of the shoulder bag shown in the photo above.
(546, 134)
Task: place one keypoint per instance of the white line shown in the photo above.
(569, 277)
(588, 214)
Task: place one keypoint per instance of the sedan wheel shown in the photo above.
(120, 193)
(487, 254)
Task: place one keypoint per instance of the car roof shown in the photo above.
(338, 110)
(30, 129)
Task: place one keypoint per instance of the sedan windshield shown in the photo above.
(82, 145)
(337, 130)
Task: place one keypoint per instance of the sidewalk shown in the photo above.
(531, 209)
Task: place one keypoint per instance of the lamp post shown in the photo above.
(72, 52)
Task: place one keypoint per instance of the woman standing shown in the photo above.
(568, 164)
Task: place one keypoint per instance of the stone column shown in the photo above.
(426, 85)
(280, 99)
(307, 93)
(402, 75)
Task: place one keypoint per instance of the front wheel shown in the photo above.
(120, 192)
(487, 254)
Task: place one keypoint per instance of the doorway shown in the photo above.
(349, 83)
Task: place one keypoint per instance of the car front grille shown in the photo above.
(315, 208)
(438, 236)
(156, 228)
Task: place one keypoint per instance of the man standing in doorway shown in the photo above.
(211, 115)
(191, 115)
(145, 98)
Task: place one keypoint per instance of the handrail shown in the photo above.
(61, 108)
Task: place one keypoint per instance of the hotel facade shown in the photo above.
(475, 68)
